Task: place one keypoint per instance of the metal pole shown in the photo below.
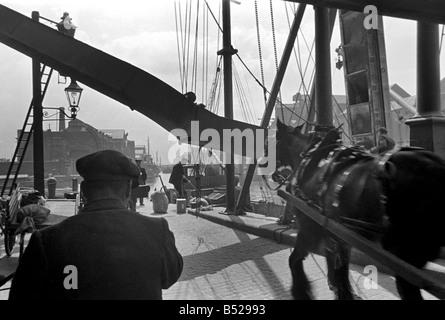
(427, 127)
(323, 91)
(38, 157)
(272, 99)
(227, 53)
(311, 113)
(428, 69)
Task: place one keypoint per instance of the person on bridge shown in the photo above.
(385, 142)
(104, 252)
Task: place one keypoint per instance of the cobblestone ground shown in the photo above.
(221, 263)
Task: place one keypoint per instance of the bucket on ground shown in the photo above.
(181, 205)
(160, 202)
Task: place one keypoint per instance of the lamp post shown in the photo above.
(73, 93)
(38, 156)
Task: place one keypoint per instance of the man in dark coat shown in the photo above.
(177, 178)
(384, 144)
(106, 251)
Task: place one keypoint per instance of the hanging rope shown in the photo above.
(178, 42)
(260, 52)
(186, 57)
(298, 57)
(275, 50)
(205, 57)
(274, 37)
(242, 98)
(183, 41)
(194, 75)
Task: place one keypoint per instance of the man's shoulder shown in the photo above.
(99, 215)
(101, 221)
(388, 139)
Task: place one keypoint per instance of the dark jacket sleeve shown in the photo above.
(29, 278)
(172, 259)
(177, 174)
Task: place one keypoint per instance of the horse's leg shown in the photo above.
(337, 258)
(408, 291)
(416, 254)
(418, 259)
(300, 285)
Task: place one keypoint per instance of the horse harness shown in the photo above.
(341, 155)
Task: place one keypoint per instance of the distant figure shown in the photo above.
(177, 179)
(384, 144)
(142, 179)
(66, 26)
(105, 252)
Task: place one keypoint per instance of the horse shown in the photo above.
(392, 200)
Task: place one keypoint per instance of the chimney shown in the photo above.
(61, 119)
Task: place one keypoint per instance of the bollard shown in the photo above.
(75, 185)
(51, 184)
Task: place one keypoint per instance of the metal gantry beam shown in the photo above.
(311, 113)
(323, 84)
(425, 10)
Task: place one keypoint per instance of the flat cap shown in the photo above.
(107, 165)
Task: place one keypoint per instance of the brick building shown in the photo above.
(63, 147)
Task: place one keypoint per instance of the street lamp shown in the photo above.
(73, 93)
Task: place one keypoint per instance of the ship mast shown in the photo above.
(227, 51)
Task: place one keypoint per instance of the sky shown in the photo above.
(144, 33)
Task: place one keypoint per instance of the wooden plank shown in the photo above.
(418, 277)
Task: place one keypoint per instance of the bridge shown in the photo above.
(117, 79)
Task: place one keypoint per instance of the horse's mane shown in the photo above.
(322, 146)
(319, 150)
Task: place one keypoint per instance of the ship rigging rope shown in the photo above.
(260, 52)
(178, 45)
(215, 90)
(184, 52)
(194, 71)
(183, 41)
(205, 57)
(299, 62)
(311, 81)
(274, 40)
(237, 55)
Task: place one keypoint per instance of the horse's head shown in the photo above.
(291, 145)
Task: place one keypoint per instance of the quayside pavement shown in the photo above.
(236, 258)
